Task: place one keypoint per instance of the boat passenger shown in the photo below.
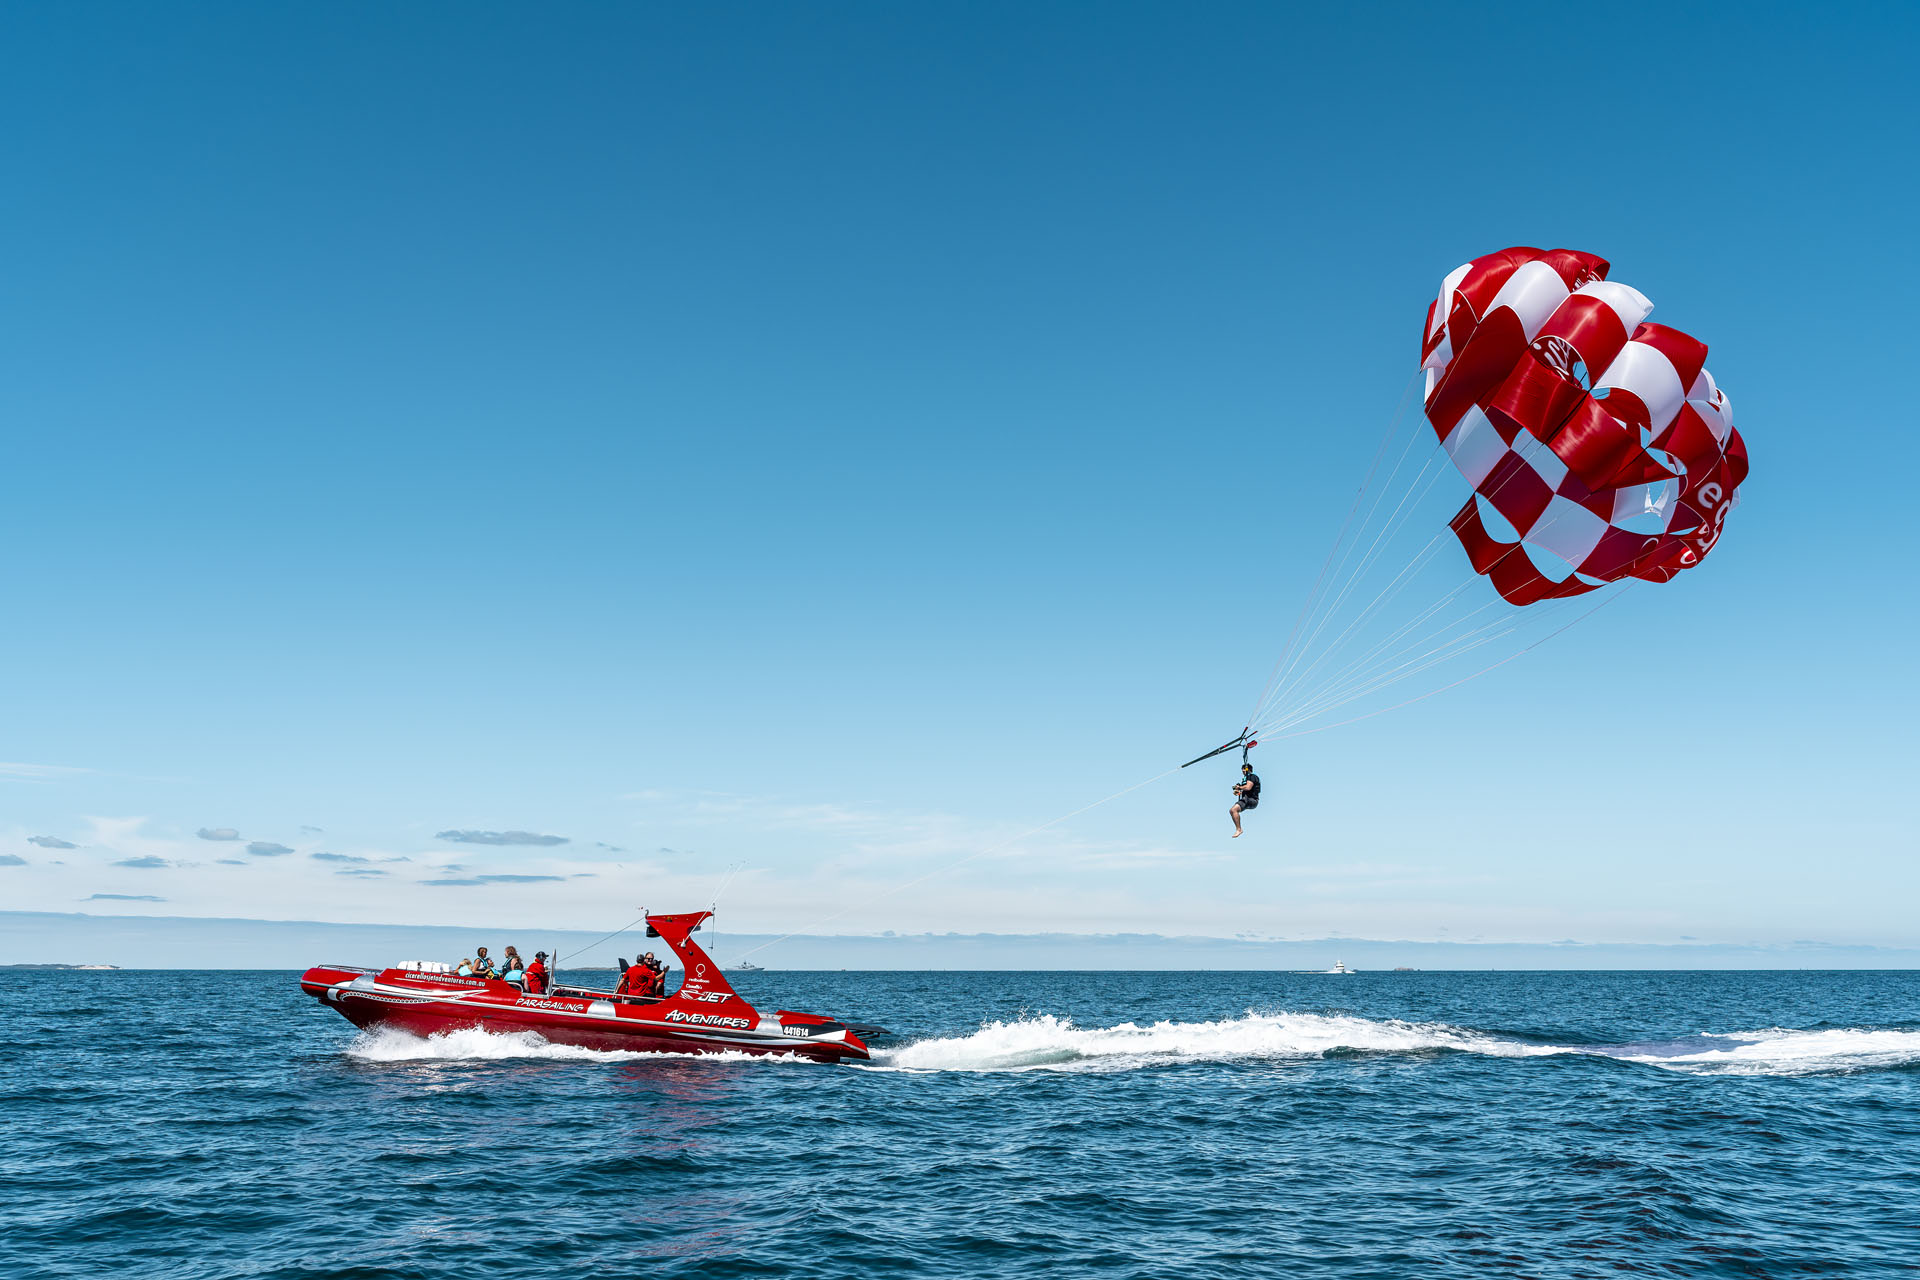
(637, 983)
(512, 967)
(464, 969)
(656, 977)
(482, 963)
(537, 974)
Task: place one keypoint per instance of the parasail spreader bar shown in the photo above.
(1243, 742)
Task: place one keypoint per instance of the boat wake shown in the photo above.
(1778, 1051)
(1049, 1043)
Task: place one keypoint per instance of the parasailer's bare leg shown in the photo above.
(1234, 813)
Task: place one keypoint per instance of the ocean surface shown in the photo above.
(1393, 1125)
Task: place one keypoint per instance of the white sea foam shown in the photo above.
(1779, 1051)
(389, 1044)
(1049, 1043)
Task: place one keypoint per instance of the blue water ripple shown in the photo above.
(1112, 1125)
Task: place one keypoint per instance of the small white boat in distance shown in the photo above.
(1340, 966)
(744, 967)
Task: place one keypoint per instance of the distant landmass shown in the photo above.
(59, 966)
(42, 939)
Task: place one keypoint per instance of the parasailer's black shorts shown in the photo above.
(1248, 802)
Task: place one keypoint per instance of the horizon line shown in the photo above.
(1560, 944)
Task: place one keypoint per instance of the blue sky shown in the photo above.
(829, 441)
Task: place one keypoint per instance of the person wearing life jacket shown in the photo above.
(482, 963)
(537, 974)
(1246, 795)
(512, 967)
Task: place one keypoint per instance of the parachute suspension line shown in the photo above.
(1294, 652)
(960, 862)
(1413, 666)
(1397, 635)
(1283, 704)
(1419, 666)
(1401, 580)
(1395, 585)
(1393, 427)
(1398, 632)
(1359, 679)
(1366, 562)
(1382, 673)
(1301, 733)
(1395, 521)
(1401, 514)
(1370, 663)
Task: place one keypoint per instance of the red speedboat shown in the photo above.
(705, 1015)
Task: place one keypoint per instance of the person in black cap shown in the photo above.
(1246, 796)
(537, 974)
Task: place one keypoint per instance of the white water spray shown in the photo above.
(1048, 1043)
(387, 1044)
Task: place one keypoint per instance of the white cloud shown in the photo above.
(20, 772)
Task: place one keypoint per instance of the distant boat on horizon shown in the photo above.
(1340, 966)
(746, 966)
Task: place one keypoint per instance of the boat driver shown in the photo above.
(636, 982)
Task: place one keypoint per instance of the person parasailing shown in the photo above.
(1246, 793)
